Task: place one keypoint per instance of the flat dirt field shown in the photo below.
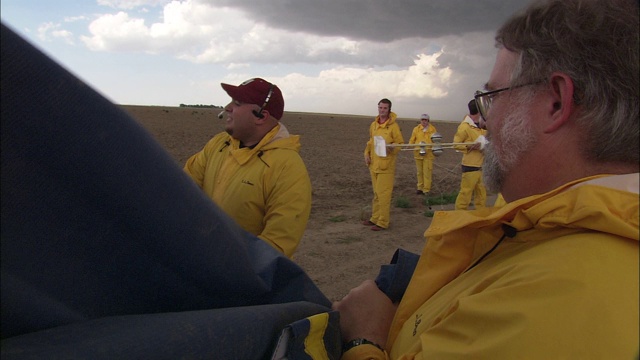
(337, 251)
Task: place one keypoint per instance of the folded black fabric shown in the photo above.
(101, 226)
(394, 277)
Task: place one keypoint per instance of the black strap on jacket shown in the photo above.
(508, 232)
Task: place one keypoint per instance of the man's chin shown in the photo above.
(493, 182)
(492, 173)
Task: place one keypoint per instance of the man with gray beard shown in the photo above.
(554, 272)
(519, 138)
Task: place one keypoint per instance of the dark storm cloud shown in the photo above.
(379, 20)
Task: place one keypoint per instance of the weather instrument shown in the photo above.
(437, 146)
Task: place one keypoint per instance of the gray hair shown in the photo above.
(595, 42)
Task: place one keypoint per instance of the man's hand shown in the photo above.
(367, 160)
(366, 312)
(389, 150)
(475, 146)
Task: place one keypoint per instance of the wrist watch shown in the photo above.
(357, 342)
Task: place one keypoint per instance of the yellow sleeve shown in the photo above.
(397, 137)
(414, 137)
(433, 131)
(196, 165)
(287, 213)
(461, 136)
(369, 146)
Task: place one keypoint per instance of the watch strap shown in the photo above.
(357, 342)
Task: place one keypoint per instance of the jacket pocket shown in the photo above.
(383, 163)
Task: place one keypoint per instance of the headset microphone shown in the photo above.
(258, 113)
(221, 114)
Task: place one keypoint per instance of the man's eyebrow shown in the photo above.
(486, 86)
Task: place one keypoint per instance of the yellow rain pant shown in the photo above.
(382, 184)
(471, 184)
(424, 169)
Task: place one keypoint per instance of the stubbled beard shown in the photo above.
(516, 138)
(492, 175)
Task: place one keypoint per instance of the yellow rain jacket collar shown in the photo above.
(391, 120)
(469, 121)
(277, 138)
(457, 239)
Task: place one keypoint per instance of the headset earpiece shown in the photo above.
(266, 101)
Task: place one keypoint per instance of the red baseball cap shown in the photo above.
(258, 91)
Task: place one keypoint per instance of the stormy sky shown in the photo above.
(326, 56)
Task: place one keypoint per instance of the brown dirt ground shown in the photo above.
(337, 251)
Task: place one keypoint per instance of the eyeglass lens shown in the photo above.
(483, 103)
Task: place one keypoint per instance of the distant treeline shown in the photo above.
(201, 106)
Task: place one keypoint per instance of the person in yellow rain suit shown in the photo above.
(552, 274)
(424, 162)
(253, 171)
(524, 299)
(382, 168)
(471, 184)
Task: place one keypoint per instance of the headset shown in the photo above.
(266, 101)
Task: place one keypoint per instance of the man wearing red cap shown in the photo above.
(253, 170)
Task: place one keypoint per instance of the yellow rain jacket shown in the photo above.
(266, 189)
(499, 201)
(419, 135)
(564, 286)
(390, 131)
(468, 131)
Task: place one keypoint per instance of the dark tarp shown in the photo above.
(109, 250)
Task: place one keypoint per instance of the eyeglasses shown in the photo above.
(484, 99)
